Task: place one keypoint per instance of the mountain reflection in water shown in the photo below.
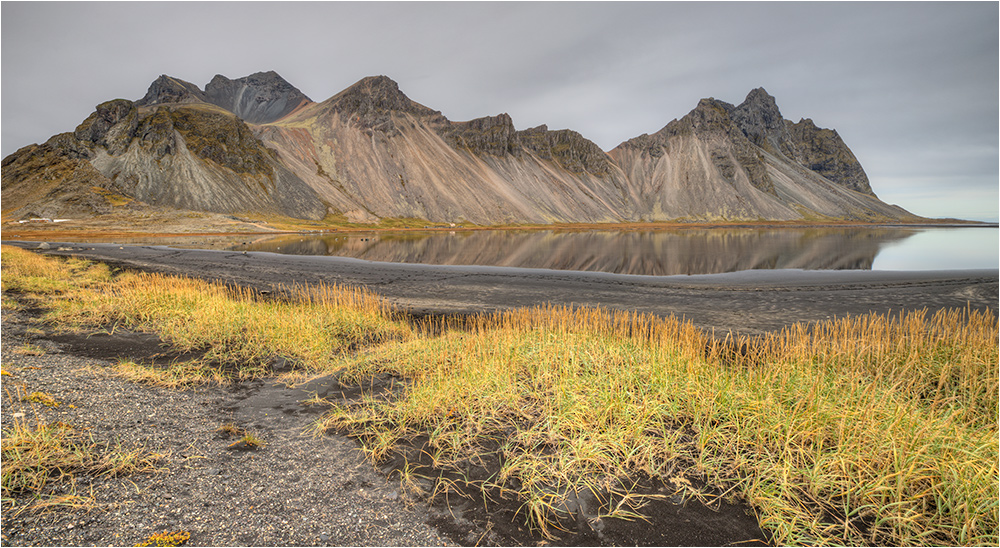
(655, 253)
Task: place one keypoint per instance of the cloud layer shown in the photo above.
(911, 87)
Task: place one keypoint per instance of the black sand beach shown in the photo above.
(747, 302)
(304, 490)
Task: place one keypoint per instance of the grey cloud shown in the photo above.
(912, 87)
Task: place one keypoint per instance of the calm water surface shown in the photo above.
(665, 252)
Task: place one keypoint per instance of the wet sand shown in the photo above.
(747, 302)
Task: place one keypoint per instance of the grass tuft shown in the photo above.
(229, 429)
(249, 440)
(174, 375)
(30, 350)
(166, 538)
(36, 456)
(41, 398)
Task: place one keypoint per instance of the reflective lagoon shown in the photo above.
(663, 252)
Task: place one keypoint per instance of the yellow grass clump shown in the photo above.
(235, 325)
(27, 272)
(35, 456)
(867, 430)
(166, 538)
(241, 332)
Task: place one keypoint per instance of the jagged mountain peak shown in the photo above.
(381, 87)
(761, 107)
(371, 100)
(754, 117)
(264, 76)
(711, 114)
(259, 98)
(759, 95)
(760, 102)
(370, 152)
(760, 120)
(376, 92)
(380, 81)
(808, 123)
(167, 89)
(270, 79)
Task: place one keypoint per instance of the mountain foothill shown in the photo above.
(259, 146)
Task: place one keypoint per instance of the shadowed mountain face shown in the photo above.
(259, 145)
(260, 98)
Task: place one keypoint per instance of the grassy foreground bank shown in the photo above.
(863, 431)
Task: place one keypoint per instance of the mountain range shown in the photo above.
(259, 146)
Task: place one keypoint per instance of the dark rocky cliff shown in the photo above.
(819, 150)
(112, 126)
(731, 149)
(761, 122)
(568, 148)
(167, 89)
(823, 151)
(496, 136)
(54, 180)
(260, 98)
(493, 135)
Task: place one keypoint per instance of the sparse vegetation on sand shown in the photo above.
(867, 430)
(38, 455)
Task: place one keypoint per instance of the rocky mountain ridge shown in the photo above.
(259, 145)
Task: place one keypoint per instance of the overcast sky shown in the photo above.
(912, 88)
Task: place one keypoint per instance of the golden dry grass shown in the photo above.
(868, 430)
(865, 430)
(240, 332)
(37, 456)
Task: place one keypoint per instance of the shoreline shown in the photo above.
(56, 233)
(746, 302)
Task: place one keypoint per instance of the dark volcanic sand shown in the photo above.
(299, 490)
(320, 490)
